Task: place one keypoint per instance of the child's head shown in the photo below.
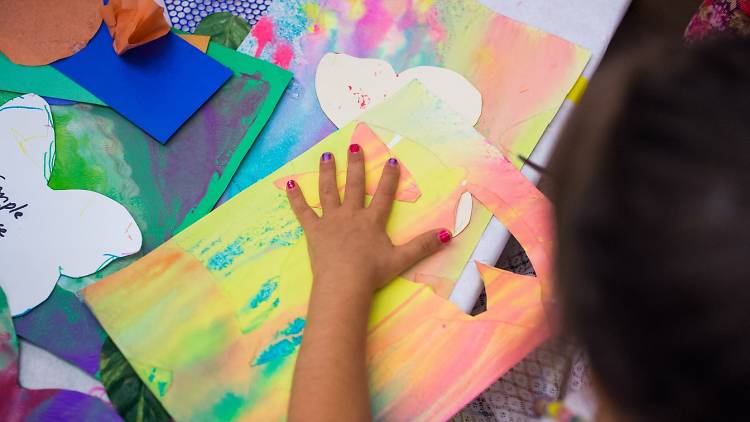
(653, 207)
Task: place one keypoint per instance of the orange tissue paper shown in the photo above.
(133, 23)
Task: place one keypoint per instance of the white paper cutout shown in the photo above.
(347, 86)
(43, 232)
(463, 213)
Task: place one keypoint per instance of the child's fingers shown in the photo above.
(304, 213)
(327, 187)
(355, 177)
(420, 247)
(382, 202)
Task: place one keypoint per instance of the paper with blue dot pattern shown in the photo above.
(187, 14)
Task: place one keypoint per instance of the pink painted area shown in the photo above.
(372, 27)
(264, 33)
(283, 55)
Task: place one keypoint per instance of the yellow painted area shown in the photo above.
(576, 93)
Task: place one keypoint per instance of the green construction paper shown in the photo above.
(42, 80)
(224, 28)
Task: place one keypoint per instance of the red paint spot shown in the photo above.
(283, 56)
(350, 87)
(363, 100)
(263, 32)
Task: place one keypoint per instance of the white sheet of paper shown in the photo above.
(347, 86)
(45, 232)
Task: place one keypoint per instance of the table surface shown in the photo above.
(589, 23)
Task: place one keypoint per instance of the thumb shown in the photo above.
(421, 247)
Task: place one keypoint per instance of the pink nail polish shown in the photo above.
(393, 162)
(354, 148)
(445, 236)
(326, 157)
(291, 184)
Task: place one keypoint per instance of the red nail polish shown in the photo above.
(445, 236)
(393, 162)
(354, 148)
(291, 184)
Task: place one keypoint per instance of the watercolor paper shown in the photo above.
(37, 223)
(133, 22)
(97, 149)
(157, 86)
(522, 73)
(347, 86)
(21, 404)
(38, 32)
(219, 310)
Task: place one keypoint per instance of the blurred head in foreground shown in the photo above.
(653, 207)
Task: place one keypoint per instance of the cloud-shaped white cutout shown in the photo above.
(43, 232)
(347, 86)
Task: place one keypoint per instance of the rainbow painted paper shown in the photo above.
(523, 74)
(165, 188)
(212, 320)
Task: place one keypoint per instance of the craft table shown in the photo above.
(589, 23)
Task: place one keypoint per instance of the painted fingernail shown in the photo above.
(291, 184)
(326, 157)
(445, 236)
(393, 162)
(354, 148)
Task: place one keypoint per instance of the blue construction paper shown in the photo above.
(156, 86)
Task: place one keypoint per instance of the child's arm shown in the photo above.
(351, 257)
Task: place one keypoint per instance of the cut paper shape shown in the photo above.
(377, 154)
(225, 28)
(21, 404)
(463, 213)
(97, 149)
(198, 41)
(523, 74)
(38, 32)
(157, 86)
(346, 86)
(45, 81)
(186, 15)
(133, 22)
(37, 222)
(425, 357)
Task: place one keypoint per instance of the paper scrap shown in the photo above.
(187, 15)
(37, 223)
(23, 404)
(198, 41)
(157, 86)
(347, 86)
(38, 32)
(134, 22)
(45, 81)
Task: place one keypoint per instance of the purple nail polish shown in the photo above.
(326, 157)
(354, 148)
(445, 236)
(393, 162)
(291, 184)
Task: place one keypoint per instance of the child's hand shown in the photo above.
(349, 249)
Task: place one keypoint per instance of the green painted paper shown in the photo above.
(42, 80)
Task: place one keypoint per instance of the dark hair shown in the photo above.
(653, 207)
